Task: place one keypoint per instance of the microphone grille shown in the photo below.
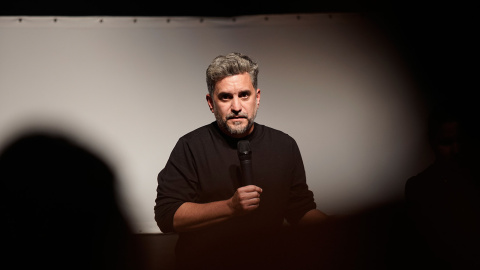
(243, 147)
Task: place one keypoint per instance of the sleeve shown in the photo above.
(177, 183)
(300, 197)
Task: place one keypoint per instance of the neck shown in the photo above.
(236, 136)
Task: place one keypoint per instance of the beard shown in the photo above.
(238, 128)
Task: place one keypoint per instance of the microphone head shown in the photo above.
(243, 148)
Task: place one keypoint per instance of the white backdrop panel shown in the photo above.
(130, 87)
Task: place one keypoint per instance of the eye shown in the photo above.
(447, 142)
(244, 94)
(224, 96)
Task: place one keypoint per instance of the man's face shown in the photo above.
(447, 145)
(235, 103)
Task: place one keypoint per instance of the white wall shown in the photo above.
(130, 87)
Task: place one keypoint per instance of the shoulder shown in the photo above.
(272, 133)
(192, 143)
(271, 136)
(420, 181)
(198, 133)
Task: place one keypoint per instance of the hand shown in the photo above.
(245, 199)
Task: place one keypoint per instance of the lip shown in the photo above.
(237, 117)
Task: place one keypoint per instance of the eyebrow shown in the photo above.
(246, 91)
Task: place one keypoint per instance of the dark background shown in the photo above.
(436, 39)
(194, 8)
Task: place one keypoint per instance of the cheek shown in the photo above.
(219, 110)
(253, 106)
(445, 150)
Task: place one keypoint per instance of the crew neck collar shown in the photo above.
(233, 141)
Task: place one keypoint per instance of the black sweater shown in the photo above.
(204, 167)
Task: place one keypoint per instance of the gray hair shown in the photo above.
(231, 64)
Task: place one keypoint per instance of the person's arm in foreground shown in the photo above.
(192, 216)
(312, 217)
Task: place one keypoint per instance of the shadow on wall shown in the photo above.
(59, 208)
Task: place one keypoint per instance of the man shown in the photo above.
(443, 200)
(222, 222)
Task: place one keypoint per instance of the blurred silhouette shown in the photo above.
(59, 208)
(443, 200)
(437, 226)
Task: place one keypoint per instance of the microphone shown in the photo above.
(245, 156)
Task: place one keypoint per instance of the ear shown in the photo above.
(258, 97)
(210, 102)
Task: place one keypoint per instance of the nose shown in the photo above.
(236, 105)
(456, 148)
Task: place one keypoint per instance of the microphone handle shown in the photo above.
(247, 172)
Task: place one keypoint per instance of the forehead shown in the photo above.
(239, 82)
(449, 129)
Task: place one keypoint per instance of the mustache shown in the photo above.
(239, 115)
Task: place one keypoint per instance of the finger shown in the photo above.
(250, 188)
(250, 205)
(246, 196)
(252, 201)
(249, 195)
